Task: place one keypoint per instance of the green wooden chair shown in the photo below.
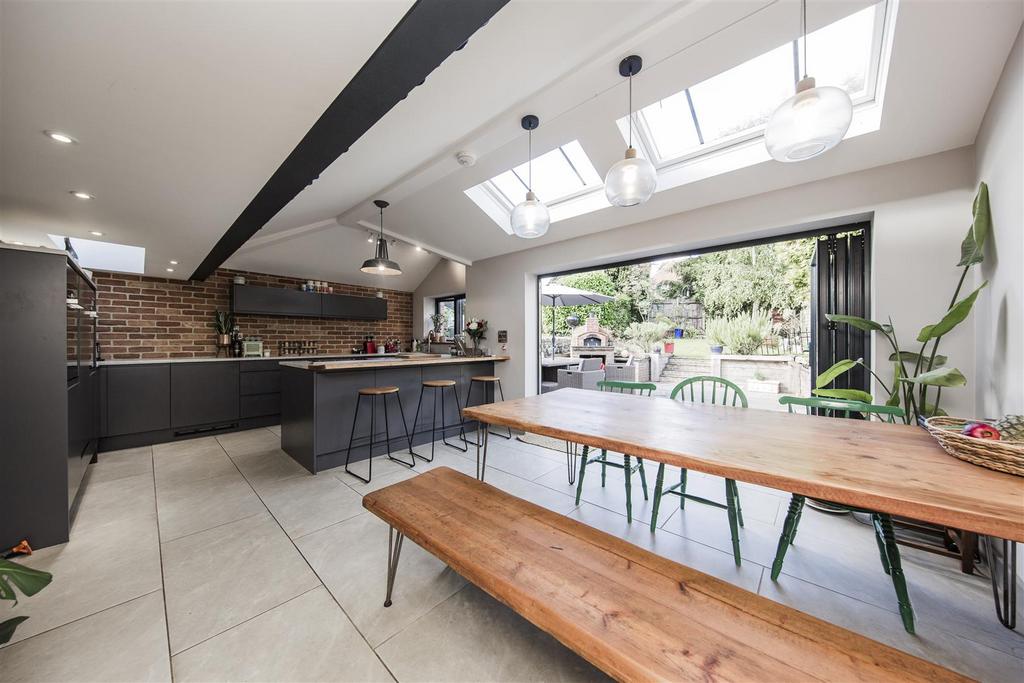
(882, 523)
(719, 391)
(620, 387)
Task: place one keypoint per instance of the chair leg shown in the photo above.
(734, 530)
(883, 527)
(643, 477)
(629, 488)
(348, 454)
(736, 495)
(658, 483)
(387, 433)
(682, 489)
(604, 465)
(462, 426)
(583, 470)
(796, 506)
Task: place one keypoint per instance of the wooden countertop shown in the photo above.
(897, 469)
(402, 360)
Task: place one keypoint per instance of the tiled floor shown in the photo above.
(221, 559)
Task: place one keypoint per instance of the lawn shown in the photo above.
(692, 348)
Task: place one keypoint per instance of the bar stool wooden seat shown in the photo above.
(439, 386)
(372, 393)
(484, 381)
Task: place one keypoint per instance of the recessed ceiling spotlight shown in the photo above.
(97, 233)
(419, 248)
(465, 158)
(173, 263)
(170, 270)
(81, 195)
(60, 137)
(20, 244)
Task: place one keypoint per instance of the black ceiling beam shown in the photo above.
(428, 33)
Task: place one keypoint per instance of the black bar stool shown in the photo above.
(373, 393)
(439, 385)
(485, 381)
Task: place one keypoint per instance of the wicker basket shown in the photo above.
(1005, 456)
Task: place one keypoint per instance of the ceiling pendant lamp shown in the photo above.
(380, 264)
(633, 180)
(811, 122)
(530, 218)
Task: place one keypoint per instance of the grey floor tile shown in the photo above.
(102, 566)
(307, 638)
(307, 503)
(351, 560)
(218, 578)
(205, 444)
(124, 643)
(115, 500)
(187, 507)
(382, 467)
(379, 481)
(188, 463)
(536, 493)
(472, 637)
(250, 441)
(276, 429)
(501, 456)
(119, 464)
(268, 467)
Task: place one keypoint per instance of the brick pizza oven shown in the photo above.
(590, 340)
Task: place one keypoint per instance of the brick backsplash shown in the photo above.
(148, 317)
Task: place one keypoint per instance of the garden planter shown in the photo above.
(679, 333)
(716, 349)
(764, 386)
(670, 348)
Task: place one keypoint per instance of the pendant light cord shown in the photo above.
(803, 30)
(381, 222)
(529, 165)
(629, 114)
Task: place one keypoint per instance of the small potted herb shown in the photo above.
(223, 322)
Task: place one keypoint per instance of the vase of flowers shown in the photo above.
(475, 329)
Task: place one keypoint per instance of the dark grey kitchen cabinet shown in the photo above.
(203, 393)
(274, 301)
(354, 307)
(138, 398)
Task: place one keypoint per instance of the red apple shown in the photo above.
(980, 430)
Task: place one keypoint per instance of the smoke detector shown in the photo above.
(465, 158)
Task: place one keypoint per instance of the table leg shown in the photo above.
(1004, 581)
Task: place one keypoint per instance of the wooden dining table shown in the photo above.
(892, 468)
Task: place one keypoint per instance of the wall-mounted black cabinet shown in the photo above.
(292, 302)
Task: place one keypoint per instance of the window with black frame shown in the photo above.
(453, 308)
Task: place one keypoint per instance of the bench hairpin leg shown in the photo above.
(394, 550)
(483, 462)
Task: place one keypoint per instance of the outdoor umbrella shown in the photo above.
(554, 295)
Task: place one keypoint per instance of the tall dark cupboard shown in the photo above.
(49, 416)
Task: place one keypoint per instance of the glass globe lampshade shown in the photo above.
(631, 181)
(530, 218)
(811, 122)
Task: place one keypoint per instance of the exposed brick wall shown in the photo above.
(147, 317)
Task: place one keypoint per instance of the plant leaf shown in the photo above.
(930, 410)
(911, 357)
(954, 316)
(973, 246)
(939, 377)
(7, 628)
(894, 397)
(29, 581)
(839, 368)
(859, 323)
(848, 394)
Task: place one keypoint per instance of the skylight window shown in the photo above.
(735, 105)
(96, 255)
(560, 177)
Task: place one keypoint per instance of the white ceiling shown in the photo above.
(183, 110)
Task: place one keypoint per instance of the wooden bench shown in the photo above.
(629, 612)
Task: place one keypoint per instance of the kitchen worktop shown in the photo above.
(221, 359)
(400, 360)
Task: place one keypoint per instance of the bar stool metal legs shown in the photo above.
(372, 395)
(484, 382)
(438, 386)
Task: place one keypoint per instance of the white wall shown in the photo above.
(447, 278)
(920, 210)
(999, 321)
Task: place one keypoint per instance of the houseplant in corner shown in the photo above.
(917, 373)
(28, 581)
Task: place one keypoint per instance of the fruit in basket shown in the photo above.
(980, 430)
(1011, 427)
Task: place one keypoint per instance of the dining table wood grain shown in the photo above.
(893, 468)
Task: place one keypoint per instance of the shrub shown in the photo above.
(643, 336)
(743, 335)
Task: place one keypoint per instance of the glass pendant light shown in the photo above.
(380, 264)
(811, 122)
(633, 180)
(530, 218)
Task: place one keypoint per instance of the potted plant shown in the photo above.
(438, 321)
(25, 579)
(223, 322)
(475, 329)
(714, 331)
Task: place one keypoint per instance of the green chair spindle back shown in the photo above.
(833, 407)
(710, 389)
(622, 387)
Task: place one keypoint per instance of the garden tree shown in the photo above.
(765, 277)
(615, 315)
(635, 287)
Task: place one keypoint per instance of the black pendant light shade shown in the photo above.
(380, 264)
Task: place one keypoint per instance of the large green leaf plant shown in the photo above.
(917, 374)
(25, 579)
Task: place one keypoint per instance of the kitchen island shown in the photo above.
(318, 402)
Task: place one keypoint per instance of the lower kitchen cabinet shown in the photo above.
(138, 398)
(203, 394)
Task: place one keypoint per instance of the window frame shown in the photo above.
(460, 311)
